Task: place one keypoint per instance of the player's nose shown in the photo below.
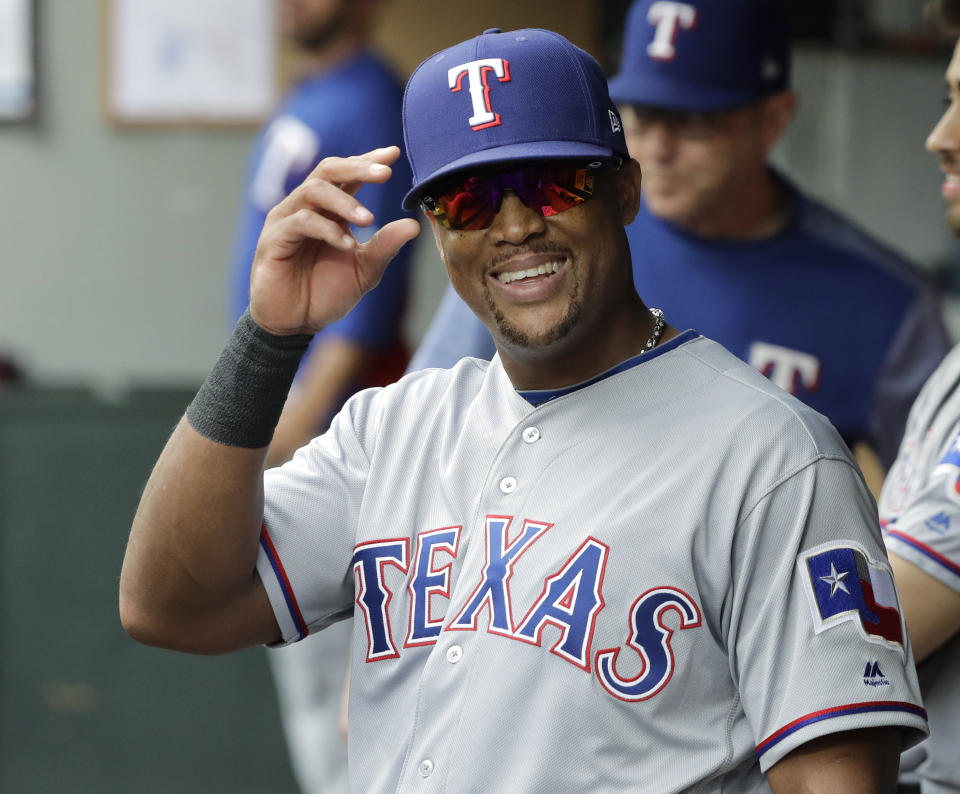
(945, 136)
(515, 222)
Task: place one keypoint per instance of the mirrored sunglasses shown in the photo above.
(548, 187)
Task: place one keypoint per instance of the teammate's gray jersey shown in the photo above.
(920, 510)
(646, 583)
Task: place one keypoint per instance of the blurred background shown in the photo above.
(117, 208)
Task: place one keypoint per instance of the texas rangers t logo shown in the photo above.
(792, 370)
(668, 17)
(477, 73)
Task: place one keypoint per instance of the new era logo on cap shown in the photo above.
(615, 123)
(501, 97)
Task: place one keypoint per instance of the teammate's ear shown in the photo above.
(628, 190)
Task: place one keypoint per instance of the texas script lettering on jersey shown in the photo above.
(571, 600)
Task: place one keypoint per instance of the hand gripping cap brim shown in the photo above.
(502, 97)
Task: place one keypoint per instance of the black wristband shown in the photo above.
(239, 403)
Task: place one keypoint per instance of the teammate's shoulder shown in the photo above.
(848, 241)
(942, 382)
(361, 88)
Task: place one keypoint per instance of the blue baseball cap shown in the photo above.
(702, 55)
(501, 97)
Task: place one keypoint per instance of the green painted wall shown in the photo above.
(84, 708)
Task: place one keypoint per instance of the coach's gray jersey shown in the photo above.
(647, 583)
(920, 511)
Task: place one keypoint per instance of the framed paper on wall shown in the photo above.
(184, 62)
(18, 60)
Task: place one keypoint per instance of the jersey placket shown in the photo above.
(450, 673)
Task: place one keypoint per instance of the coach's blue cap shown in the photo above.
(702, 54)
(501, 97)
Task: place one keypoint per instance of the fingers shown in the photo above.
(351, 173)
(307, 224)
(378, 157)
(376, 253)
(328, 193)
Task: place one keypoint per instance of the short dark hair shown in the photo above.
(947, 14)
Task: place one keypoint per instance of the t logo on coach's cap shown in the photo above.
(476, 73)
(668, 17)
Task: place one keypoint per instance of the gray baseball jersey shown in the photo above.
(667, 577)
(920, 511)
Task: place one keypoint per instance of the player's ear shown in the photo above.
(435, 227)
(628, 190)
(778, 111)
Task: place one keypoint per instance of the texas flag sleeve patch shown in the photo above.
(844, 585)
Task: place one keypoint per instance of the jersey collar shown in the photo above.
(540, 396)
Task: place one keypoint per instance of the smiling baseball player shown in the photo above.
(724, 242)
(615, 558)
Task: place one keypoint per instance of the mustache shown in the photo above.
(948, 160)
(529, 248)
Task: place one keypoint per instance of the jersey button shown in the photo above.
(531, 434)
(426, 768)
(454, 654)
(508, 484)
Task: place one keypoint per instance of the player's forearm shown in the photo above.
(189, 577)
(193, 543)
(858, 762)
(931, 609)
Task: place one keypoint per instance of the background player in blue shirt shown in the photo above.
(346, 97)
(345, 100)
(728, 245)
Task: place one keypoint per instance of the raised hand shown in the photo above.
(309, 270)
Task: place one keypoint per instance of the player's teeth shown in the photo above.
(540, 270)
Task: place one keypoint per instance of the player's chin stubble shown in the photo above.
(519, 338)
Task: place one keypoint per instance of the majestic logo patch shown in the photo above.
(939, 523)
(845, 585)
(873, 675)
